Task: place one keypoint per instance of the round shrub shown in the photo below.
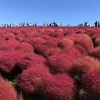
(95, 35)
(85, 41)
(9, 36)
(91, 84)
(12, 44)
(52, 51)
(19, 36)
(7, 91)
(26, 47)
(72, 51)
(83, 65)
(81, 49)
(53, 35)
(73, 37)
(8, 45)
(60, 32)
(95, 52)
(33, 79)
(68, 32)
(65, 42)
(60, 63)
(9, 60)
(41, 49)
(61, 87)
(51, 42)
(35, 41)
(97, 41)
(30, 59)
(80, 31)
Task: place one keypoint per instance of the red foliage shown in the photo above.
(19, 36)
(7, 91)
(95, 35)
(26, 47)
(95, 52)
(51, 42)
(83, 65)
(73, 51)
(61, 87)
(8, 45)
(34, 79)
(91, 84)
(52, 51)
(73, 37)
(9, 60)
(97, 41)
(81, 49)
(85, 41)
(61, 46)
(60, 63)
(35, 41)
(37, 45)
(41, 49)
(65, 42)
(29, 60)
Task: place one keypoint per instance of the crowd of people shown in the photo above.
(52, 24)
(85, 24)
(19, 24)
(97, 24)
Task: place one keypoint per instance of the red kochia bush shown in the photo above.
(9, 36)
(85, 41)
(95, 52)
(8, 45)
(35, 41)
(52, 51)
(73, 37)
(82, 50)
(91, 84)
(65, 42)
(26, 47)
(97, 41)
(73, 51)
(60, 63)
(9, 60)
(12, 44)
(60, 32)
(37, 44)
(61, 87)
(33, 80)
(19, 36)
(51, 42)
(83, 65)
(30, 59)
(41, 49)
(95, 35)
(7, 91)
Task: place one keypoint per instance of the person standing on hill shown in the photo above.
(96, 24)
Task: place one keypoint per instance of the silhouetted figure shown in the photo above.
(27, 24)
(35, 24)
(50, 24)
(55, 23)
(96, 24)
(81, 24)
(86, 24)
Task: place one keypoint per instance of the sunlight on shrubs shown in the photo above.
(49, 63)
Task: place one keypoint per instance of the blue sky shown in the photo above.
(71, 12)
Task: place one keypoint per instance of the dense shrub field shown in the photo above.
(49, 63)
